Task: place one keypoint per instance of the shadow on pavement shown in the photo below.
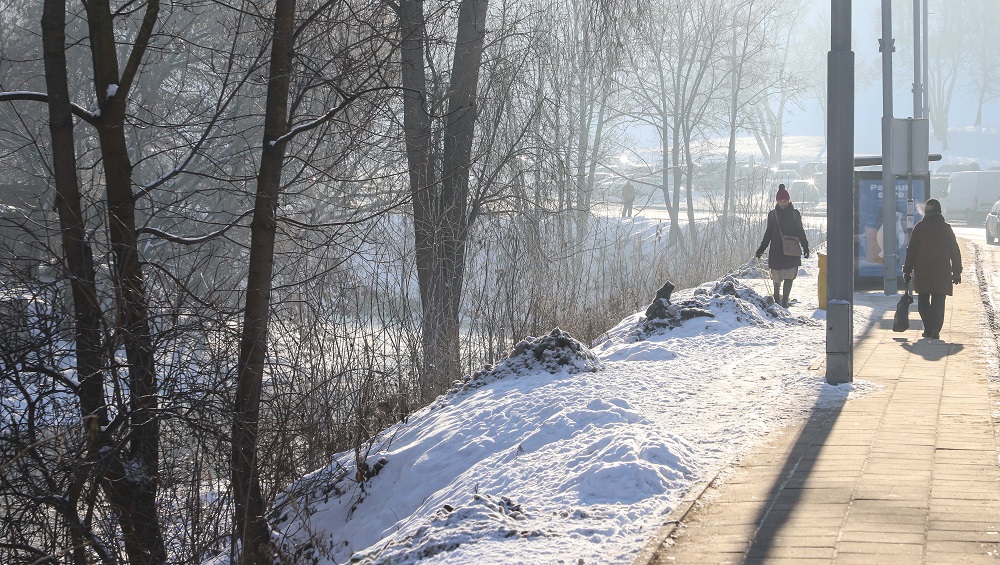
(931, 349)
(785, 494)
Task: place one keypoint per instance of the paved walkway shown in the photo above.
(907, 475)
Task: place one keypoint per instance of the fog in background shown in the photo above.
(238, 239)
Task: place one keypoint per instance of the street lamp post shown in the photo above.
(889, 221)
(926, 70)
(840, 198)
(918, 87)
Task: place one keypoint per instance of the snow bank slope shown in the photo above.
(562, 454)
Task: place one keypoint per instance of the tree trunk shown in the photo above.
(779, 130)
(133, 494)
(669, 172)
(420, 162)
(979, 108)
(440, 216)
(251, 525)
(676, 236)
(689, 192)
(735, 80)
(78, 257)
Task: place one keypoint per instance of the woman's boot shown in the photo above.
(777, 292)
(785, 291)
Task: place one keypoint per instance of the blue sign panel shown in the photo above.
(869, 229)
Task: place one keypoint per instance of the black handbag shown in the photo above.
(901, 323)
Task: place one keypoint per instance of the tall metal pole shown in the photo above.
(918, 113)
(926, 100)
(918, 88)
(840, 198)
(889, 220)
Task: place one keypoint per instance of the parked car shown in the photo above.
(812, 168)
(939, 185)
(993, 225)
(819, 179)
(784, 176)
(791, 165)
(804, 192)
(970, 195)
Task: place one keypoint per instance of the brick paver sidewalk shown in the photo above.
(906, 475)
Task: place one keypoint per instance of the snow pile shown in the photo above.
(564, 463)
(755, 269)
(557, 352)
(449, 527)
(729, 295)
(728, 301)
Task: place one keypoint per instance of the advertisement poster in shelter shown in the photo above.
(868, 253)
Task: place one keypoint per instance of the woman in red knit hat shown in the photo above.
(784, 220)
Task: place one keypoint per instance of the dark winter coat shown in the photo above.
(791, 224)
(933, 255)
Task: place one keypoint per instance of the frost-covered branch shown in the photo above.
(190, 240)
(356, 221)
(78, 110)
(332, 113)
(221, 106)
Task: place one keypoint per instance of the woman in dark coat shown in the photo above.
(934, 255)
(783, 220)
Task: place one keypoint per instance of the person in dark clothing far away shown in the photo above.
(628, 197)
(783, 220)
(934, 264)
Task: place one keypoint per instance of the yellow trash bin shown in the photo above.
(821, 280)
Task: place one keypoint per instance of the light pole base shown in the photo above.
(839, 342)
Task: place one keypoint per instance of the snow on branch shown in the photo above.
(191, 240)
(77, 110)
(312, 124)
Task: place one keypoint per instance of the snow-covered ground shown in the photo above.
(566, 454)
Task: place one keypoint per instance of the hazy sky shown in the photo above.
(868, 97)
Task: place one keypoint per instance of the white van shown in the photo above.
(969, 195)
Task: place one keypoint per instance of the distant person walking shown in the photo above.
(782, 260)
(935, 258)
(628, 197)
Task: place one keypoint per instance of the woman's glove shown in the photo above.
(957, 278)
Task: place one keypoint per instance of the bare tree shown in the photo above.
(944, 65)
(440, 200)
(129, 479)
(980, 58)
(79, 261)
(768, 122)
(299, 78)
(748, 44)
(240, 206)
(680, 83)
(251, 526)
(181, 137)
